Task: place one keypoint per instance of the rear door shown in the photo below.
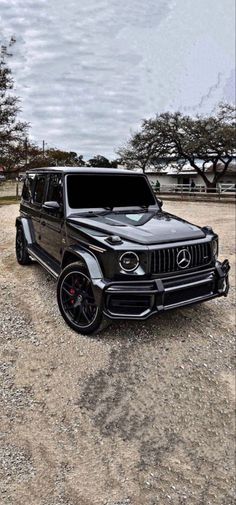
(52, 223)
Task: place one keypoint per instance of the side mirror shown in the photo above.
(51, 206)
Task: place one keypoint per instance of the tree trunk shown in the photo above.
(211, 186)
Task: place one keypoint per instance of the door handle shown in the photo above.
(43, 223)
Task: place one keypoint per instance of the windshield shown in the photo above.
(108, 191)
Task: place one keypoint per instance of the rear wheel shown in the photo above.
(21, 249)
(76, 301)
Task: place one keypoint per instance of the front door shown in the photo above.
(52, 223)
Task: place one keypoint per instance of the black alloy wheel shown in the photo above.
(76, 300)
(21, 249)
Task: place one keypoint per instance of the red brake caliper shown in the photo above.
(72, 292)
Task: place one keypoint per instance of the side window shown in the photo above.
(28, 187)
(55, 189)
(39, 188)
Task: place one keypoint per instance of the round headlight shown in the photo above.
(215, 248)
(129, 261)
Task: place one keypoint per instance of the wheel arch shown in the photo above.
(27, 228)
(87, 260)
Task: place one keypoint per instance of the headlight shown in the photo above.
(129, 261)
(214, 246)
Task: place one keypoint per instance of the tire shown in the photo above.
(22, 255)
(76, 301)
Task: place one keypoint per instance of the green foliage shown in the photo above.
(101, 161)
(12, 131)
(200, 141)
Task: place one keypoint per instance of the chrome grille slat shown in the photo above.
(196, 253)
(192, 258)
(200, 253)
(164, 260)
(168, 252)
(173, 259)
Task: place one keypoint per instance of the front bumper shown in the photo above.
(142, 299)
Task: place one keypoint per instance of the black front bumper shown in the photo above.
(142, 299)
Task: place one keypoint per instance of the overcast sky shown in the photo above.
(88, 71)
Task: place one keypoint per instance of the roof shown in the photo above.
(81, 170)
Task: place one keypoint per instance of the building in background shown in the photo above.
(171, 175)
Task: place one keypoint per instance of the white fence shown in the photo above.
(198, 188)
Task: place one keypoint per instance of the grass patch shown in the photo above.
(8, 200)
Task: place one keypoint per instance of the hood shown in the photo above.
(140, 227)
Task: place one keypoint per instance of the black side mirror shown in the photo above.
(51, 206)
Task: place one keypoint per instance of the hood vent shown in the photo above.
(114, 240)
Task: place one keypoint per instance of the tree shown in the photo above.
(58, 157)
(34, 157)
(100, 161)
(143, 146)
(12, 131)
(203, 142)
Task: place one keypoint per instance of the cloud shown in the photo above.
(88, 72)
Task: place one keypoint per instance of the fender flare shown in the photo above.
(89, 259)
(27, 229)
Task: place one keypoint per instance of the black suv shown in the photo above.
(102, 233)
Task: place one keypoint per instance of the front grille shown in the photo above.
(165, 260)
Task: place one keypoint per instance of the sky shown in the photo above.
(89, 71)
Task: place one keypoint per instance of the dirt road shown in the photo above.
(142, 415)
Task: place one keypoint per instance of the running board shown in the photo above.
(44, 260)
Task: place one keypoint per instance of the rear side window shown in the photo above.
(55, 189)
(27, 190)
(39, 188)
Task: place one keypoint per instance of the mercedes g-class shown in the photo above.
(115, 253)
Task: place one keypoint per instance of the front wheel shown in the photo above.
(76, 301)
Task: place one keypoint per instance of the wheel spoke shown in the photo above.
(85, 315)
(67, 285)
(78, 313)
(66, 291)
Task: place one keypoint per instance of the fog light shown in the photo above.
(129, 261)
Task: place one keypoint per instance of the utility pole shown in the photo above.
(26, 151)
(43, 148)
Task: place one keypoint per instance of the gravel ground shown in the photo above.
(142, 415)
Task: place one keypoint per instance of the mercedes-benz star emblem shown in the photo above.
(183, 258)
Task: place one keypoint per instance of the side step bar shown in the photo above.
(44, 260)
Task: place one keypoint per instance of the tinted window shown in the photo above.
(39, 188)
(55, 190)
(95, 191)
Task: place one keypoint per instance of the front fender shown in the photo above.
(93, 267)
(88, 258)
